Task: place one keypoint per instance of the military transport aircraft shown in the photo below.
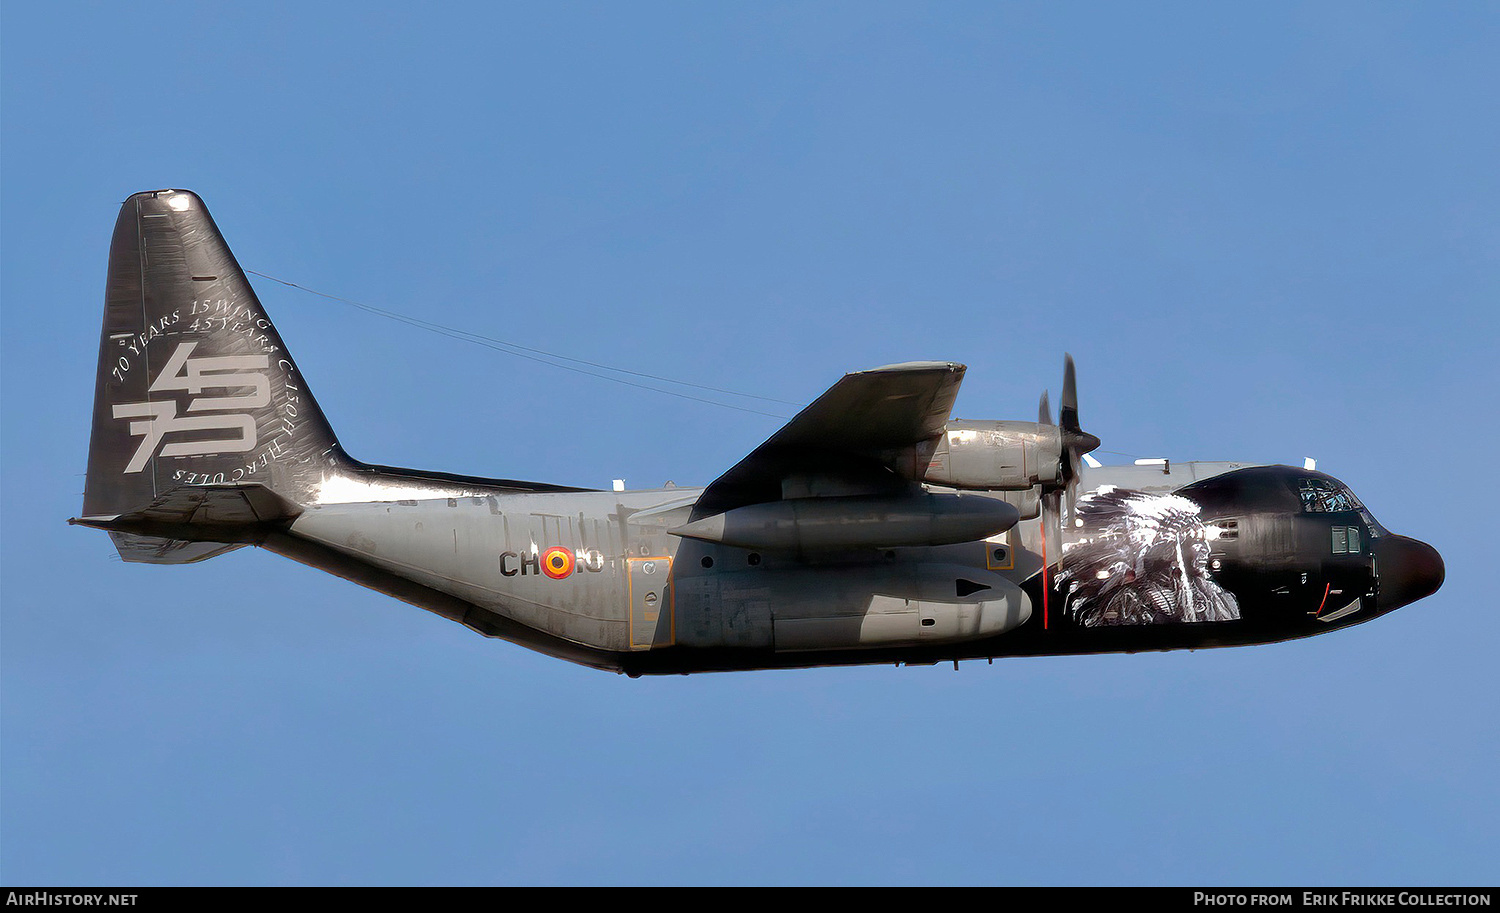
(870, 529)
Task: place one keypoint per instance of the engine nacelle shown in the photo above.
(997, 456)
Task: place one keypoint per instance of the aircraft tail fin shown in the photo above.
(199, 411)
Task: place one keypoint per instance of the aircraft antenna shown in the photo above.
(541, 356)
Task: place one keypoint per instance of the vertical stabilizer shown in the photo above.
(195, 387)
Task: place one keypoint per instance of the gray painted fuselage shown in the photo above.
(634, 597)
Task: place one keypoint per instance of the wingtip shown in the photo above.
(914, 366)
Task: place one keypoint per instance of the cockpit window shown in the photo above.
(1346, 540)
(1321, 496)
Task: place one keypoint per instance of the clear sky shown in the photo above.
(1266, 231)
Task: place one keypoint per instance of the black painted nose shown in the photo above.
(1409, 570)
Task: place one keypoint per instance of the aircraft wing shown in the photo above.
(872, 432)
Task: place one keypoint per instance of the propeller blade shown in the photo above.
(1051, 547)
(1060, 498)
(1067, 414)
(1075, 439)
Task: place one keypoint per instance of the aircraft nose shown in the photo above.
(1409, 570)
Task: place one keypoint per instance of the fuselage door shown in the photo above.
(651, 616)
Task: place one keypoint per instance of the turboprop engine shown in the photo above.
(997, 456)
(1034, 459)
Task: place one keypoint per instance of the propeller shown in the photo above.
(1073, 442)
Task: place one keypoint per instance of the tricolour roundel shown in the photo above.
(557, 562)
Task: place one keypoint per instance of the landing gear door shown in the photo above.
(651, 616)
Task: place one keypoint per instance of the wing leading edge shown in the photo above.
(870, 434)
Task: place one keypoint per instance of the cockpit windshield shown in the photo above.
(1322, 496)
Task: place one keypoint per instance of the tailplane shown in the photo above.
(204, 431)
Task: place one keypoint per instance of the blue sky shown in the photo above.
(1265, 231)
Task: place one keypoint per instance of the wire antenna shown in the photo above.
(542, 356)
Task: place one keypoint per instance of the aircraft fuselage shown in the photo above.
(598, 577)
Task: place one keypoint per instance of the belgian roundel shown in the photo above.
(557, 562)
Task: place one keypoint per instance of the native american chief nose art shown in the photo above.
(1140, 559)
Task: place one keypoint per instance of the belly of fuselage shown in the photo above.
(600, 569)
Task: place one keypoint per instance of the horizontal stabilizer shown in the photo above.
(155, 550)
(190, 524)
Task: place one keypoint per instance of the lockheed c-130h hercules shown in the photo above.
(870, 529)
